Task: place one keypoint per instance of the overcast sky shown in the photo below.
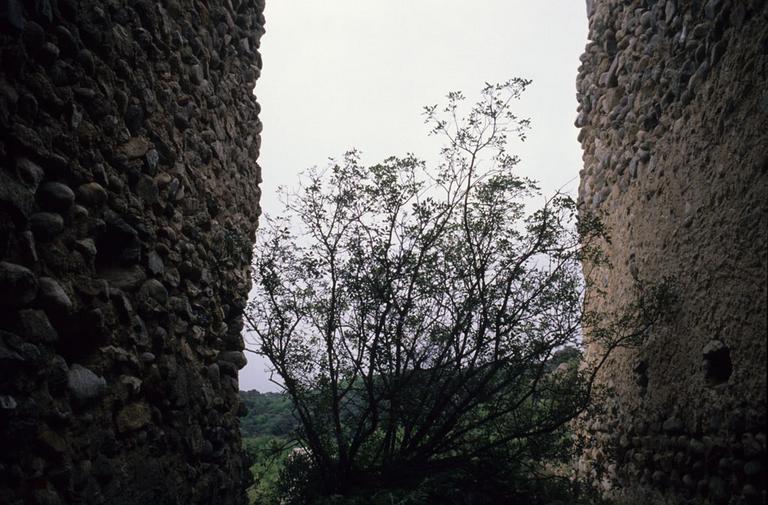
(340, 74)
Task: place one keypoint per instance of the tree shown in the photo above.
(415, 317)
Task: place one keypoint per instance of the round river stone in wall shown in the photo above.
(53, 297)
(34, 325)
(55, 196)
(83, 384)
(92, 194)
(46, 225)
(18, 285)
(105, 347)
(133, 417)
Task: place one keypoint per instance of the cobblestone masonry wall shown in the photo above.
(128, 200)
(673, 114)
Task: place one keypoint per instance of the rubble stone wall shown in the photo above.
(674, 128)
(128, 201)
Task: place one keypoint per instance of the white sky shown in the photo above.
(340, 74)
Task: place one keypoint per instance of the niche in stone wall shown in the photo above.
(717, 364)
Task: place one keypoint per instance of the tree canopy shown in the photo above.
(419, 318)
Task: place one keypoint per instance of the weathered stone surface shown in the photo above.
(53, 442)
(46, 225)
(147, 190)
(52, 296)
(7, 355)
(672, 116)
(128, 146)
(134, 148)
(92, 194)
(133, 417)
(18, 285)
(35, 326)
(154, 289)
(237, 358)
(155, 263)
(118, 243)
(128, 279)
(55, 197)
(83, 384)
(15, 198)
(14, 15)
(8, 402)
(87, 247)
(30, 172)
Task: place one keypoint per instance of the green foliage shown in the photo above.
(268, 430)
(426, 327)
(268, 454)
(268, 414)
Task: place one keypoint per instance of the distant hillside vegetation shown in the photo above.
(268, 414)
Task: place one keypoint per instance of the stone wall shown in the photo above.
(674, 127)
(128, 200)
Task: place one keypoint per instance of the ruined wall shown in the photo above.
(673, 111)
(128, 200)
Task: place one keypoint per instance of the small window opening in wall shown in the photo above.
(717, 363)
(640, 370)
